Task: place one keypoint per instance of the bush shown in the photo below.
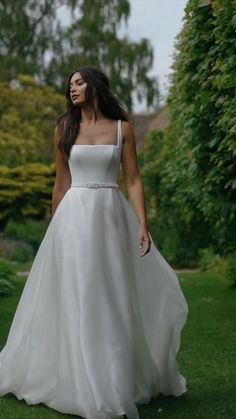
(200, 155)
(208, 260)
(16, 250)
(177, 235)
(222, 265)
(7, 274)
(229, 271)
(30, 231)
(21, 240)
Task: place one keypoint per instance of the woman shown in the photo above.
(98, 325)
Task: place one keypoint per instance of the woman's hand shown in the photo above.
(144, 241)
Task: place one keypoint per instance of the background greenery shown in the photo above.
(188, 168)
(33, 42)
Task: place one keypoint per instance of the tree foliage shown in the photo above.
(28, 113)
(25, 33)
(194, 164)
(25, 191)
(33, 41)
(176, 236)
(201, 141)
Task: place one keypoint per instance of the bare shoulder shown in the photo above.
(57, 135)
(128, 131)
(61, 159)
(59, 129)
(127, 126)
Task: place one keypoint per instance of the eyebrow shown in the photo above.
(77, 80)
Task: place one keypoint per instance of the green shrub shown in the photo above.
(21, 240)
(208, 260)
(225, 266)
(16, 250)
(29, 231)
(199, 151)
(229, 270)
(177, 235)
(7, 274)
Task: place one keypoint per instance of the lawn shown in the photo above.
(207, 357)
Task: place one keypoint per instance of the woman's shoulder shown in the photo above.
(127, 128)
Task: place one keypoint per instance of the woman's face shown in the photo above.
(77, 89)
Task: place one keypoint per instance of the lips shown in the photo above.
(74, 97)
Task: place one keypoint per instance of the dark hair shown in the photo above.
(69, 122)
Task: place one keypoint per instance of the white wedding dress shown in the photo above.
(97, 327)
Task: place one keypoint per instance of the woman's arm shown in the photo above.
(63, 176)
(134, 185)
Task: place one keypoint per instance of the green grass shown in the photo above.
(206, 358)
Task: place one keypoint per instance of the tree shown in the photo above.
(92, 39)
(32, 41)
(25, 32)
(28, 114)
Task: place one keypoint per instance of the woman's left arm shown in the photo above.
(134, 185)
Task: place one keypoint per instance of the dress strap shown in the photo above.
(119, 130)
(119, 143)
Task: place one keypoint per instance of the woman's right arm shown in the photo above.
(63, 176)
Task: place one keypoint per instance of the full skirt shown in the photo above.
(97, 327)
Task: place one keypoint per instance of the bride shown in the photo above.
(97, 328)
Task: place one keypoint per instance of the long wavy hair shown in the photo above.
(69, 122)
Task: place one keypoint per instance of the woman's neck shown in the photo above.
(88, 115)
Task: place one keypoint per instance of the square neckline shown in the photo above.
(105, 145)
(96, 145)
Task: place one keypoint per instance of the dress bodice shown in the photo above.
(96, 162)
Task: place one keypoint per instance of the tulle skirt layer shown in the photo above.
(97, 328)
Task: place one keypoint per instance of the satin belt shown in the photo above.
(94, 185)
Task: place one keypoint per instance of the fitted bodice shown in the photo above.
(96, 162)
